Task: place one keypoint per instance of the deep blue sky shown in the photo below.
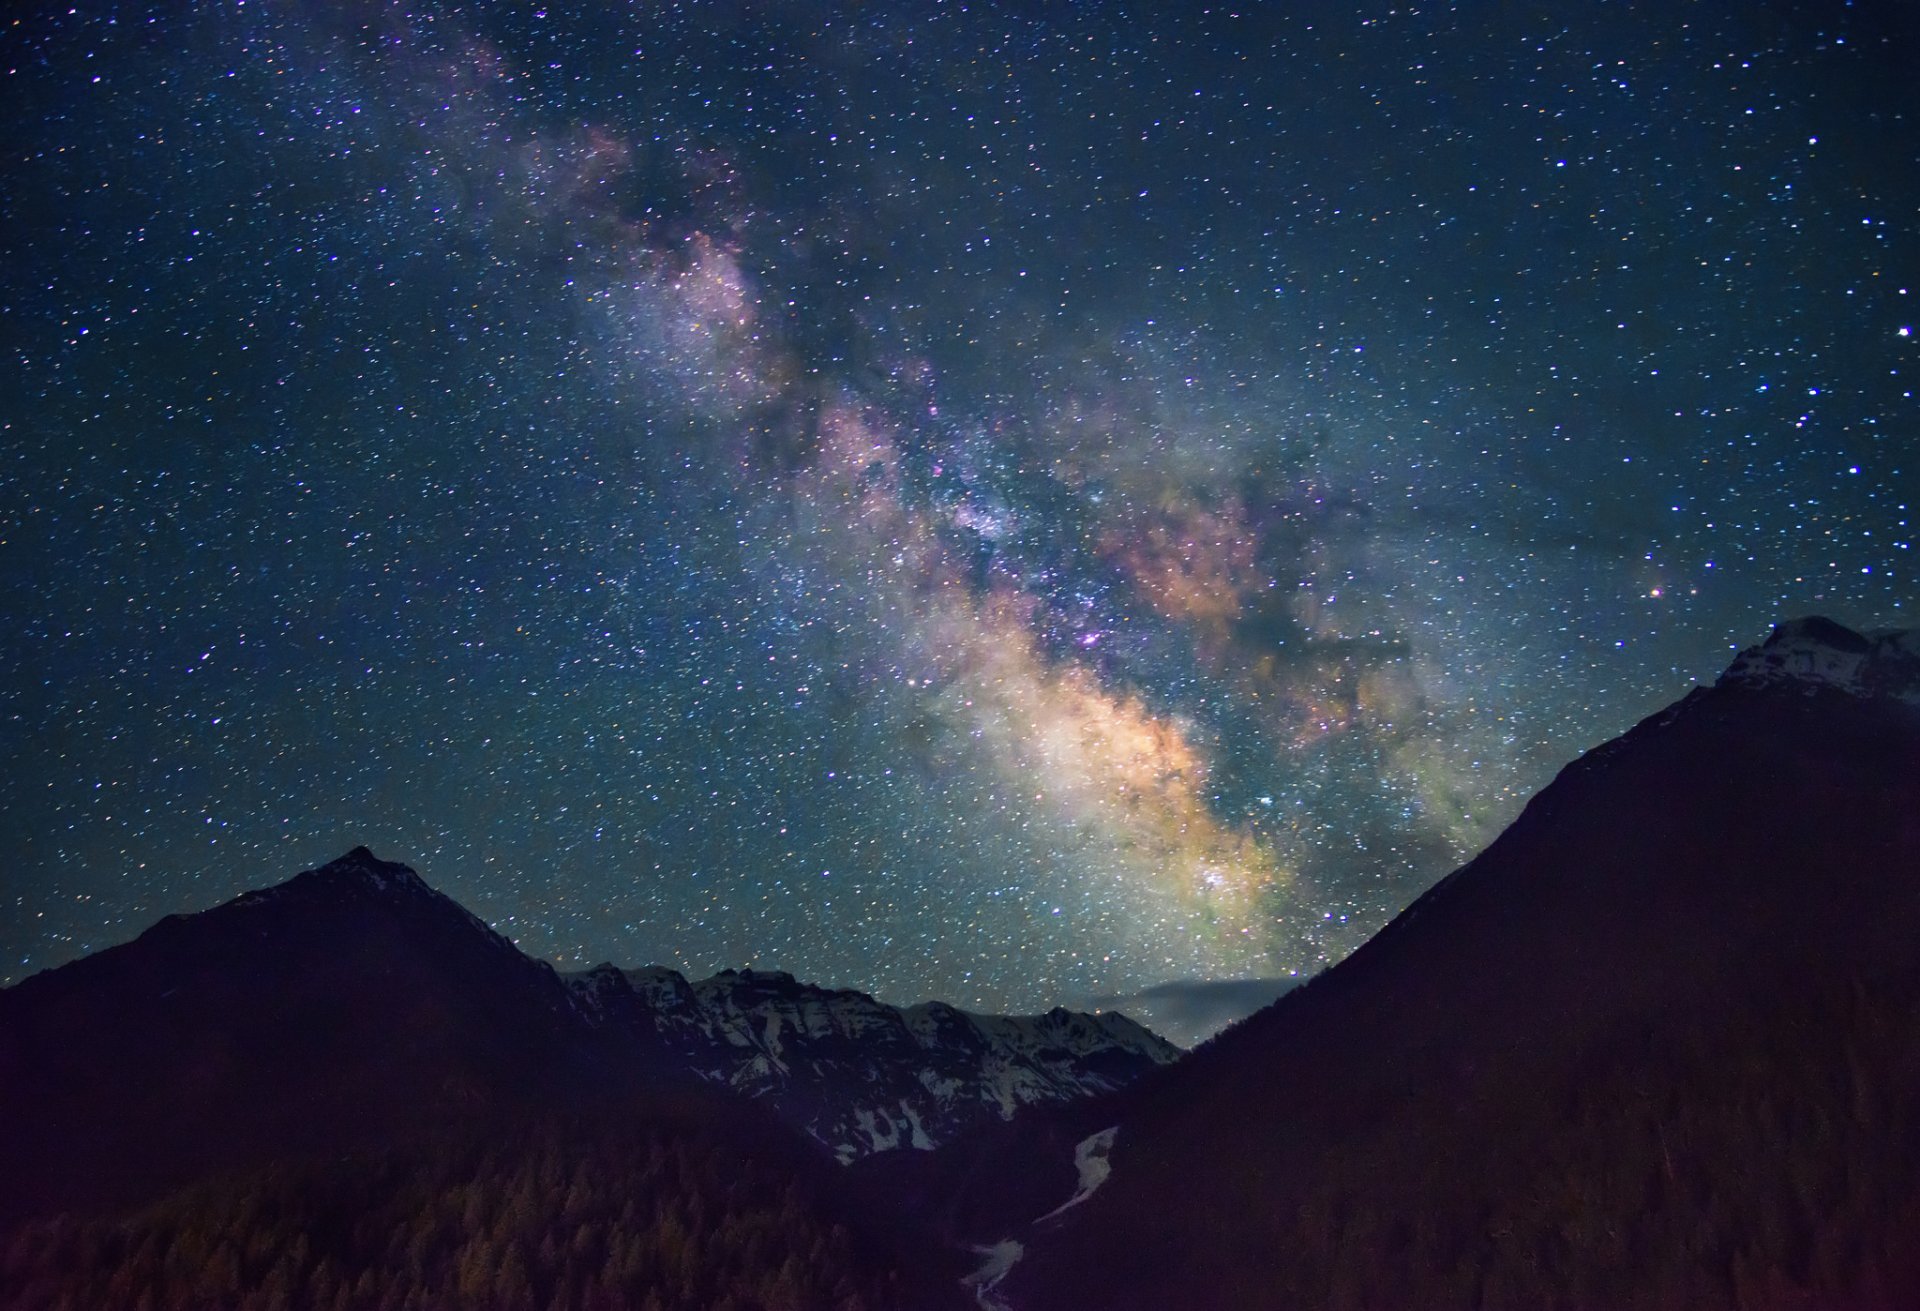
(1011, 503)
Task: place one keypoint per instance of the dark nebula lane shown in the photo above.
(1013, 503)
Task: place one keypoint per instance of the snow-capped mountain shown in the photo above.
(354, 1004)
(859, 1075)
(1815, 653)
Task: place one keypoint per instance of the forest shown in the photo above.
(573, 1216)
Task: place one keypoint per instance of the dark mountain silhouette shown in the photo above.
(1656, 1047)
(236, 1084)
(348, 1091)
(354, 1004)
(351, 1005)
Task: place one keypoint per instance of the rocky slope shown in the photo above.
(354, 1006)
(861, 1076)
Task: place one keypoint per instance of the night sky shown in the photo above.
(1015, 503)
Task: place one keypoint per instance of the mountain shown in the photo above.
(346, 1091)
(1655, 1047)
(858, 1075)
(1815, 654)
(354, 1006)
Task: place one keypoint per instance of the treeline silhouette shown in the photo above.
(549, 1218)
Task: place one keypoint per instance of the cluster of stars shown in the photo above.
(1013, 507)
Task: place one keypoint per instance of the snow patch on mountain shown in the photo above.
(998, 1264)
(861, 1076)
(1092, 1159)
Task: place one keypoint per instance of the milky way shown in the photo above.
(1011, 503)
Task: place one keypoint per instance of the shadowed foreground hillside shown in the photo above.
(556, 1218)
(1658, 1046)
(345, 1091)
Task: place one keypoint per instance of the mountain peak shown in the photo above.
(1815, 652)
(361, 863)
(358, 871)
(361, 883)
(1818, 630)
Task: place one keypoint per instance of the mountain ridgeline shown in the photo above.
(280, 1055)
(1657, 1046)
(860, 1076)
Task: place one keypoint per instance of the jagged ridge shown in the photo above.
(859, 1075)
(1815, 653)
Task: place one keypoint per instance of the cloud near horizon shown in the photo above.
(1189, 1011)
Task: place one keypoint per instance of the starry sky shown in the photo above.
(1016, 503)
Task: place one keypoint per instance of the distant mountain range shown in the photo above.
(860, 1076)
(355, 995)
(1657, 1046)
(281, 1051)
